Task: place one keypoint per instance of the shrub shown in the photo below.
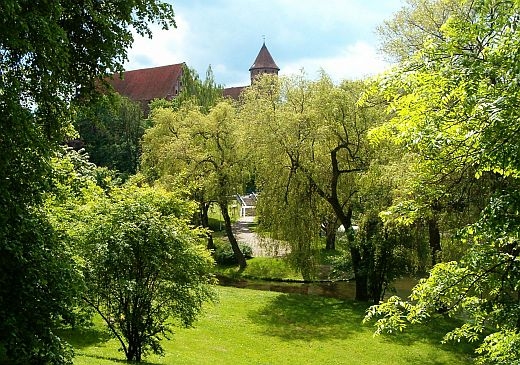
(224, 255)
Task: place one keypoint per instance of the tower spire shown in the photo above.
(264, 63)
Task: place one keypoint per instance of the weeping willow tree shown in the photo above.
(197, 150)
(310, 145)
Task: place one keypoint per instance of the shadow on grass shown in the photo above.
(432, 332)
(117, 360)
(81, 337)
(302, 317)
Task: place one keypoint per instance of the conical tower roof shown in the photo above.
(264, 60)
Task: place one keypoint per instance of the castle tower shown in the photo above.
(264, 64)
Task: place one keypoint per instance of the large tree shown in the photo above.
(417, 22)
(310, 151)
(456, 111)
(191, 148)
(50, 53)
(145, 267)
(441, 200)
(205, 94)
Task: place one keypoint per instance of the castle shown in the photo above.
(164, 82)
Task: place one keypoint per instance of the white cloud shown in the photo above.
(335, 35)
(165, 48)
(353, 62)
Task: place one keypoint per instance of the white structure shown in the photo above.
(247, 203)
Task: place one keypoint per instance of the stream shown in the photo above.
(334, 289)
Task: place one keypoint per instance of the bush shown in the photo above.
(224, 255)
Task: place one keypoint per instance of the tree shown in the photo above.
(110, 130)
(204, 94)
(201, 150)
(455, 107)
(416, 26)
(145, 267)
(311, 149)
(418, 22)
(50, 53)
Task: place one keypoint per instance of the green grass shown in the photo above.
(260, 327)
(266, 268)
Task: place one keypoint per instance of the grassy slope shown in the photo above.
(256, 327)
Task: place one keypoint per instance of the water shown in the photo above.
(334, 289)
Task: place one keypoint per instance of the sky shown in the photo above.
(337, 36)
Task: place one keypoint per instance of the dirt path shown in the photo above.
(260, 246)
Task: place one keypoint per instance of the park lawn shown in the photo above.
(262, 327)
(265, 268)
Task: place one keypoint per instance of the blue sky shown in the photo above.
(335, 35)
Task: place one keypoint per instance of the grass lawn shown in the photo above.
(261, 327)
(267, 268)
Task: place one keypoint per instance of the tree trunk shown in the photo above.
(204, 207)
(360, 274)
(330, 235)
(229, 232)
(133, 353)
(435, 239)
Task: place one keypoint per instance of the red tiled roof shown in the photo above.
(233, 92)
(264, 60)
(149, 83)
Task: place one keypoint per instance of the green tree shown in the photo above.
(145, 267)
(455, 106)
(110, 130)
(311, 149)
(189, 147)
(417, 25)
(205, 94)
(50, 53)
(418, 22)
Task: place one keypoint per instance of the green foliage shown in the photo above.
(482, 287)
(204, 94)
(50, 53)
(110, 130)
(190, 148)
(416, 23)
(39, 289)
(144, 266)
(224, 255)
(455, 107)
(311, 154)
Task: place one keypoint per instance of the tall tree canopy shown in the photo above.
(455, 105)
(417, 22)
(311, 149)
(204, 94)
(189, 147)
(51, 52)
